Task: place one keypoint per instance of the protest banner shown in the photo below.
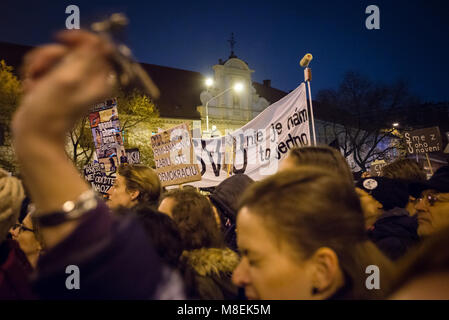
(96, 176)
(132, 156)
(173, 154)
(376, 167)
(423, 141)
(257, 148)
(108, 140)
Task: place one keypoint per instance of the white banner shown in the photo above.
(257, 148)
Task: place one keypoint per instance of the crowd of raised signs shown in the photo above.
(309, 231)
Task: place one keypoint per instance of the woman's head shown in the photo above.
(11, 197)
(297, 232)
(322, 156)
(410, 171)
(372, 209)
(193, 214)
(163, 233)
(27, 235)
(135, 184)
(379, 194)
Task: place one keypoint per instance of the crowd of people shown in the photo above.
(310, 231)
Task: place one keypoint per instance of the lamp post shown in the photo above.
(238, 87)
(305, 61)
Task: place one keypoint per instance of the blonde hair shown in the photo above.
(143, 179)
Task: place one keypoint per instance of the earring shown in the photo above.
(314, 291)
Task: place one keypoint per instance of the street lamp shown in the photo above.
(396, 124)
(238, 87)
(209, 82)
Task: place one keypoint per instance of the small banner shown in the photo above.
(95, 175)
(173, 156)
(132, 156)
(376, 167)
(423, 141)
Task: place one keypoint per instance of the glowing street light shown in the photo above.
(209, 82)
(396, 124)
(238, 87)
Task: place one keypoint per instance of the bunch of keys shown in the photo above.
(129, 73)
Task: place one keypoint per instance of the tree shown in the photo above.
(136, 113)
(10, 92)
(362, 114)
(81, 146)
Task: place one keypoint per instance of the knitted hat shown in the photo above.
(390, 193)
(227, 194)
(11, 197)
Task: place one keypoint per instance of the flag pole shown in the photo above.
(307, 78)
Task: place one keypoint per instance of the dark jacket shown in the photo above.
(226, 198)
(114, 258)
(207, 273)
(15, 271)
(394, 233)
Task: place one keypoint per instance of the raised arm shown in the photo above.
(61, 82)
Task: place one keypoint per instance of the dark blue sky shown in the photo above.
(271, 36)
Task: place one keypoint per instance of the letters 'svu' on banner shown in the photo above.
(257, 148)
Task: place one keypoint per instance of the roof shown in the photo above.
(180, 89)
(269, 93)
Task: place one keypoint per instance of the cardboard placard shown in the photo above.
(174, 156)
(376, 167)
(108, 140)
(132, 156)
(423, 141)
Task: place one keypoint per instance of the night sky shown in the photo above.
(272, 36)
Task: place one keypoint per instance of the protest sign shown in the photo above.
(132, 156)
(95, 175)
(257, 148)
(423, 141)
(376, 167)
(173, 156)
(108, 140)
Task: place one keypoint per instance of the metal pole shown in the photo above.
(305, 61)
(428, 162)
(311, 112)
(207, 107)
(207, 115)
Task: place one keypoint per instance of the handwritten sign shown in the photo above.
(174, 156)
(376, 167)
(423, 141)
